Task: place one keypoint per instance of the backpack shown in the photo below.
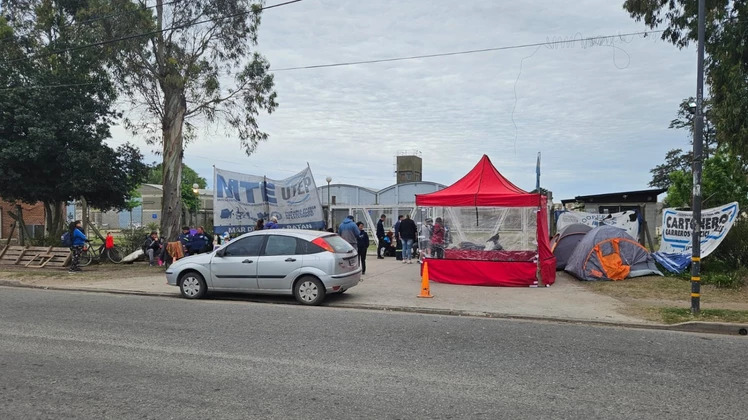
(66, 239)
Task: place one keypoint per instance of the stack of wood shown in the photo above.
(35, 256)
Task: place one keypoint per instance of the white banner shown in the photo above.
(239, 200)
(677, 231)
(626, 220)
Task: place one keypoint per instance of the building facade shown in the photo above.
(33, 217)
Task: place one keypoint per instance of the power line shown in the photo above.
(464, 52)
(446, 54)
(144, 34)
(47, 86)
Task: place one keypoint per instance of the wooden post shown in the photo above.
(10, 236)
(649, 237)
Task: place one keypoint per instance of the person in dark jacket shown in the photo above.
(349, 232)
(260, 224)
(398, 242)
(78, 239)
(363, 245)
(380, 236)
(200, 242)
(408, 233)
(152, 248)
(437, 239)
(184, 238)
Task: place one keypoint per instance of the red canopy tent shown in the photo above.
(485, 187)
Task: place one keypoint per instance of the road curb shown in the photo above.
(688, 327)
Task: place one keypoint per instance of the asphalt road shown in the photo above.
(91, 355)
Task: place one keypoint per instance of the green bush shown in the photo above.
(132, 239)
(733, 251)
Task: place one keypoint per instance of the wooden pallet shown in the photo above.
(35, 256)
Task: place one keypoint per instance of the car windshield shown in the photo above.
(338, 243)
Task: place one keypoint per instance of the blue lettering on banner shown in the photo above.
(242, 199)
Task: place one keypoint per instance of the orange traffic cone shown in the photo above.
(425, 289)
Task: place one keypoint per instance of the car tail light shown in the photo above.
(324, 245)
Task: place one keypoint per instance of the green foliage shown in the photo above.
(675, 160)
(676, 315)
(189, 176)
(186, 72)
(52, 139)
(733, 251)
(132, 239)
(723, 181)
(726, 64)
(679, 192)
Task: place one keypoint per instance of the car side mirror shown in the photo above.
(221, 252)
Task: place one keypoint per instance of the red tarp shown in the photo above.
(484, 186)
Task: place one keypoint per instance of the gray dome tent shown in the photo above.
(565, 242)
(609, 253)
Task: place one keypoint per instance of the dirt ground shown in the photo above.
(93, 271)
(662, 299)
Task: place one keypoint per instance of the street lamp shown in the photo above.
(195, 190)
(329, 208)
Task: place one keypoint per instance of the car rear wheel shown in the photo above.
(192, 285)
(309, 291)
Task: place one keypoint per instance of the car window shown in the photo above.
(280, 245)
(339, 244)
(304, 247)
(245, 247)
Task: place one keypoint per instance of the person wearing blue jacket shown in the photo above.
(79, 241)
(272, 224)
(349, 231)
(363, 245)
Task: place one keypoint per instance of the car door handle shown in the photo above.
(247, 261)
(290, 259)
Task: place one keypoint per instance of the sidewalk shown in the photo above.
(388, 284)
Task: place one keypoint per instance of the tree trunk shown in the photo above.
(175, 107)
(18, 217)
(84, 213)
(54, 215)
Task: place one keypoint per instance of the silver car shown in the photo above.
(303, 263)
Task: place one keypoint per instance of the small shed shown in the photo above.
(644, 201)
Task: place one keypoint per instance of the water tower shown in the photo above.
(408, 166)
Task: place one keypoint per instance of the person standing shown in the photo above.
(363, 245)
(408, 233)
(272, 224)
(108, 244)
(380, 236)
(78, 241)
(349, 232)
(437, 239)
(424, 238)
(398, 242)
(260, 224)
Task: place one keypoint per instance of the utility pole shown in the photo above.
(698, 145)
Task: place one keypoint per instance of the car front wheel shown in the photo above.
(192, 285)
(309, 291)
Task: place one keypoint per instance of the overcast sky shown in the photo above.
(598, 114)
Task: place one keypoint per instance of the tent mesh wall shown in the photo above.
(479, 233)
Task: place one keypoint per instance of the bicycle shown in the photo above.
(90, 253)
